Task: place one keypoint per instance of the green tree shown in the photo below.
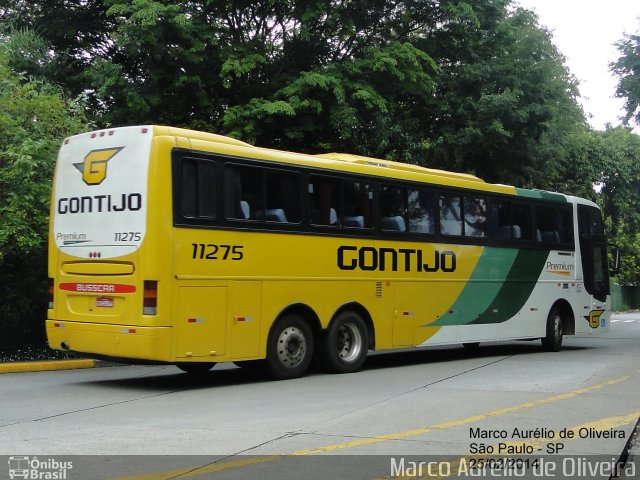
(466, 85)
(603, 166)
(311, 76)
(34, 117)
(621, 196)
(73, 31)
(627, 68)
(505, 100)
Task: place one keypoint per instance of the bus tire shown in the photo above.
(196, 368)
(552, 342)
(345, 345)
(290, 347)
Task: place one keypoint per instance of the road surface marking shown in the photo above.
(233, 464)
(601, 425)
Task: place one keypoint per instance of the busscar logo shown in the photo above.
(94, 166)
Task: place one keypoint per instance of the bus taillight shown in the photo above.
(51, 294)
(150, 305)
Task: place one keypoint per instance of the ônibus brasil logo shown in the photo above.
(94, 166)
(34, 468)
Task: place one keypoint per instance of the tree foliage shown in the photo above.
(627, 68)
(505, 100)
(620, 196)
(464, 85)
(34, 117)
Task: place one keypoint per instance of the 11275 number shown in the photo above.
(210, 251)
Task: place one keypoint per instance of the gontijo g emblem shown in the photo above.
(94, 166)
(594, 318)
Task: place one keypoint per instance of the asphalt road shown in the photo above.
(433, 406)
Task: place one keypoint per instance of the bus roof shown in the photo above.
(334, 161)
(342, 161)
(196, 135)
(377, 162)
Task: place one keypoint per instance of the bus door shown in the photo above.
(593, 251)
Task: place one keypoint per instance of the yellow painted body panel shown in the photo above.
(98, 268)
(146, 343)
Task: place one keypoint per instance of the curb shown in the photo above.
(40, 366)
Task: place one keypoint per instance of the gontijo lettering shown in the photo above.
(100, 203)
(404, 259)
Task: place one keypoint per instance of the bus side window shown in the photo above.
(565, 225)
(421, 211)
(243, 193)
(282, 197)
(450, 215)
(198, 189)
(546, 229)
(324, 198)
(522, 218)
(393, 208)
(501, 221)
(475, 217)
(358, 204)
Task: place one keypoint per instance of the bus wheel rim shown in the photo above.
(557, 327)
(292, 347)
(349, 342)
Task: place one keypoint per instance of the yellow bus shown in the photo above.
(181, 247)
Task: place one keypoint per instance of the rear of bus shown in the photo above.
(103, 290)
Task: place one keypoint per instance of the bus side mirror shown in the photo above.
(615, 267)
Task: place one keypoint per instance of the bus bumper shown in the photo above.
(118, 341)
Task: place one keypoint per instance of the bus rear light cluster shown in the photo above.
(50, 293)
(95, 254)
(150, 301)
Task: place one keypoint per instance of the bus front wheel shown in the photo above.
(552, 342)
(290, 347)
(344, 346)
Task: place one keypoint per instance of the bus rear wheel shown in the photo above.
(196, 368)
(552, 342)
(344, 346)
(290, 347)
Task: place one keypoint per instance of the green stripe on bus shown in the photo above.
(498, 287)
(541, 195)
(517, 287)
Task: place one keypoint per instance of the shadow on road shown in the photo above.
(170, 378)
